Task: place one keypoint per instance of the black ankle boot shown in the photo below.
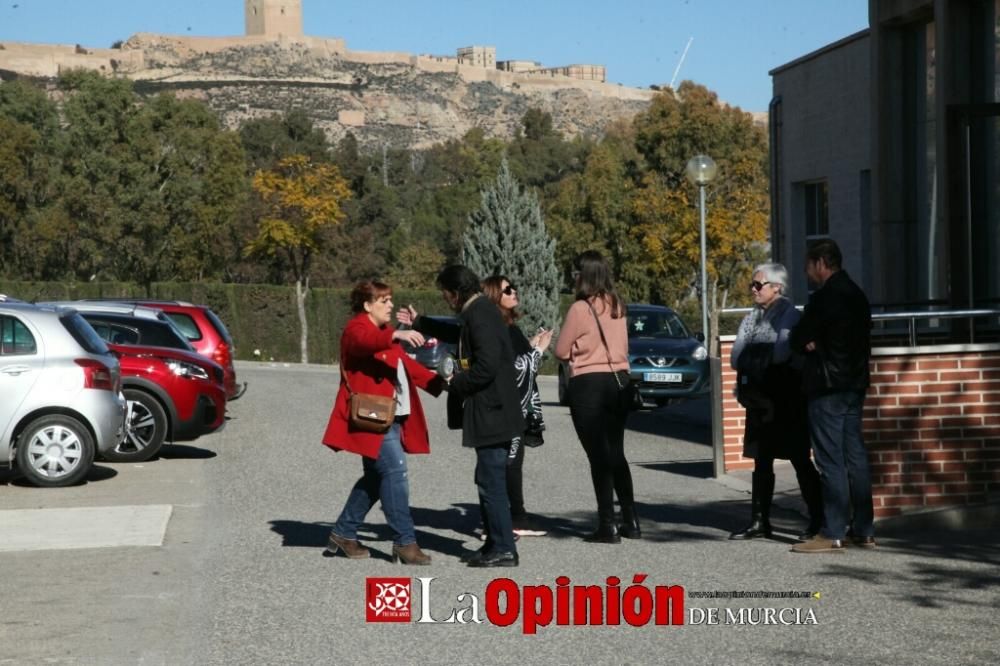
(762, 489)
(605, 533)
(630, 524)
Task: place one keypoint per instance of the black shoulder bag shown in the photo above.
(628, 392)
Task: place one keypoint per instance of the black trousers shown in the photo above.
(515, 476)
(599, 420)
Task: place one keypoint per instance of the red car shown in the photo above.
(172, 392)
(207, 334)
(172, 395)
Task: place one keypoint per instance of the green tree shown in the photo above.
(302, 202)
(147, 189)
(269, 140)
(508, 236)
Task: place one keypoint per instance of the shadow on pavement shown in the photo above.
(185, 452)
(697, 469)
(10, 477)
(943, 568)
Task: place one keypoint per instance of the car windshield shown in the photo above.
(655, 324)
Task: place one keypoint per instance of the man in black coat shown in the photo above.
(834, 333)
(483, 402)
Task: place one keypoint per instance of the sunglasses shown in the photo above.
(756, 285)
(509, 289)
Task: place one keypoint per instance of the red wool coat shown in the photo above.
(369, 358)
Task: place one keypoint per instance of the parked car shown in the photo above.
(173, 393)
(130, 324)
(61, 400)
(206, 333)
(667, 362)
(433, 351)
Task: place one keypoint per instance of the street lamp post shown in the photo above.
(701, 170)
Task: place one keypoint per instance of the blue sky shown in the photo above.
(735, 42)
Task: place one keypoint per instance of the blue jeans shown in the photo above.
(842, 459)
(384, 479)
(491, 481)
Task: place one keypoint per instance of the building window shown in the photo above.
(817, 210)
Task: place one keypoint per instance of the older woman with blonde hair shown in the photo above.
(769, 386)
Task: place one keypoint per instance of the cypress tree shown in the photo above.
(507, 236)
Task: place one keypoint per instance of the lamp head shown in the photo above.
(701, 170)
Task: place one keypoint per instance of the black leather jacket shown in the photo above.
(838, 319)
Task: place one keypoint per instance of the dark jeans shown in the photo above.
(835, 426)
(491, 481)
(599, 420)
(384, 479)
(515, 478)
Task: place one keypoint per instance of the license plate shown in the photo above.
(669, 377)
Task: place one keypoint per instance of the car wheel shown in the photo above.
(55, 450)
(145, 428)
(562, 385)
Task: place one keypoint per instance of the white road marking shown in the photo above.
(84, 527)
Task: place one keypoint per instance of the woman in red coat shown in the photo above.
(373, 363)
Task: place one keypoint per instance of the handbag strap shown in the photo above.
(350, 391)
(604, 341)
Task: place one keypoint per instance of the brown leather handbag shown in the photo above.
(366, 411)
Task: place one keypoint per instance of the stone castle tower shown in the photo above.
(273, 18)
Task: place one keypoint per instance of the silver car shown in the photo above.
(60, 394)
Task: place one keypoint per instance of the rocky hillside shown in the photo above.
(393, 103)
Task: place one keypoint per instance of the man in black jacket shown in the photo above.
(835, 336)
(483, 402)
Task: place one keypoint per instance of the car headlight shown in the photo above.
(182, 369)
(699, 353)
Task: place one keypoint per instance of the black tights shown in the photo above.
(599, 420)
(802, 464)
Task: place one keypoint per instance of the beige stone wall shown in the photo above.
(48, 60)
(518, 65)
(426, 63)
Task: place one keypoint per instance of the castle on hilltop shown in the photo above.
(282, 19)
(280, 22)
(380, 97)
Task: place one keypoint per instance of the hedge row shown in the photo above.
(260, 317)
(263, 317)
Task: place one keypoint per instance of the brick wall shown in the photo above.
(931, 423)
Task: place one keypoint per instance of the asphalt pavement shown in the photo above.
(241, 576)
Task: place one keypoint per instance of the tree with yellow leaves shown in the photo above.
(302, 203)
(677, 126)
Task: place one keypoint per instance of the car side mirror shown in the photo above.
(699, 336)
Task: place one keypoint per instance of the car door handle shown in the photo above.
(15, 370)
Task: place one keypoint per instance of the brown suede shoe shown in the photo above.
(353, 550)
(819, 544)
(410, 554)
(864, 542)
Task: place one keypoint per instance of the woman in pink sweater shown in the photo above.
(594, 339)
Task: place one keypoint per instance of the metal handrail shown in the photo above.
(912, 318)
